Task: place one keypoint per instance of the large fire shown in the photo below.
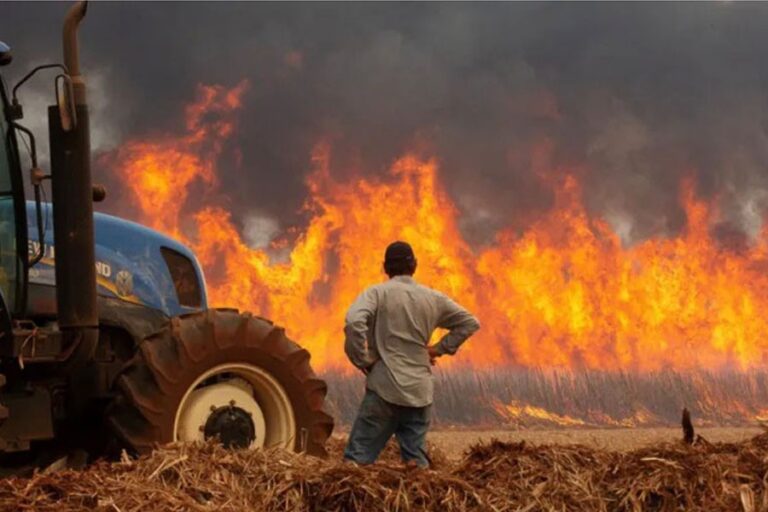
(565, 293)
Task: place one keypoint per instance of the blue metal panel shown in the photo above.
(129, 264)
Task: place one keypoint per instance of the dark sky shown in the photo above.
(633, 95)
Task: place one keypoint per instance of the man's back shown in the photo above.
(397, 318)
(387, 330)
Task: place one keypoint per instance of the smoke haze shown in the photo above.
(631, 97)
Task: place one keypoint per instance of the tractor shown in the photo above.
(106, 337)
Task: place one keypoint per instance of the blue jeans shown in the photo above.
(377, 420)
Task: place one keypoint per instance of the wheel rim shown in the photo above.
(246, 387)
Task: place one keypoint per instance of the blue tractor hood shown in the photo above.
(131, 262)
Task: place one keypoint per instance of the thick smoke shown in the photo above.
(631, 97)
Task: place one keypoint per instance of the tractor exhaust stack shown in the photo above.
(73, 206)
(75, 15)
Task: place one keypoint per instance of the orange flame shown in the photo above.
(565, 293)
(525, 415)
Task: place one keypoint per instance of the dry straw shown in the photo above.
(495, 477)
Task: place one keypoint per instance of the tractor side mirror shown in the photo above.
(5, 54)
(65, 101)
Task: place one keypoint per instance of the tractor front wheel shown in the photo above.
(221, 374)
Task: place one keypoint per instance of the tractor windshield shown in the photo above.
(9, 261)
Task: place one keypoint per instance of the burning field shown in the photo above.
(505, 144)
(565, 293)
(578, 327)
(514, 399)
(496, 476)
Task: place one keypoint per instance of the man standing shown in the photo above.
(387, 330)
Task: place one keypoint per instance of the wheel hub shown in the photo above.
(226, 409)
(244, 406)
(232, 426)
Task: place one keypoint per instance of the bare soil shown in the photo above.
(453, 443)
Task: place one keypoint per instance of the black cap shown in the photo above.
(399, 251)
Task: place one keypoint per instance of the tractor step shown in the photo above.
(31, 419)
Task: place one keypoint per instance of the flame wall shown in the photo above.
(564, 292)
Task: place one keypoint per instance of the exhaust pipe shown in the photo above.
(73, 209)
(72, 21)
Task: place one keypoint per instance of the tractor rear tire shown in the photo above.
(176, 363)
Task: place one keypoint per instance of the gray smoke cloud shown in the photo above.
(633, 96)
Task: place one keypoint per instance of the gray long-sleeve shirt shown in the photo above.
(387, 330)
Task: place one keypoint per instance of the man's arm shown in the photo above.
(356, 329)
(460, 323)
